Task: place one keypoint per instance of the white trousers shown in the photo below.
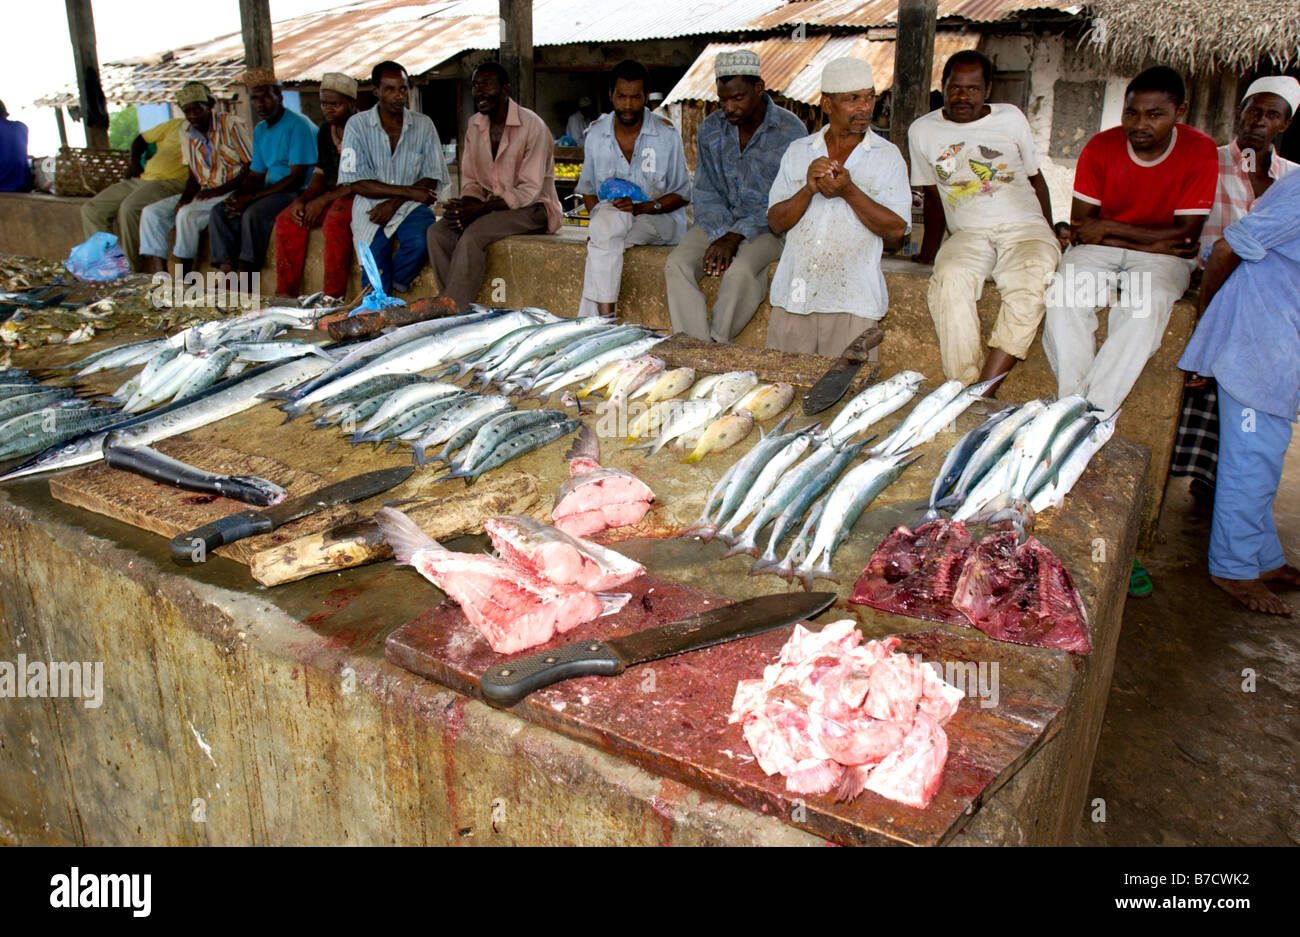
(608, 233)
(191, 221)
(1140, 288)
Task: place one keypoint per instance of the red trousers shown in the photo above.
(291, 249)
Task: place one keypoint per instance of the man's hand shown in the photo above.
(821, 166)
(625, 204)
(1090, 231)
(1179, 247)
(720, 253)
(1194, 381)
(383, 213)
(463, 212)
(236, 204)
(297, 212)
(312, 212)
(835, 183)
(422, 194)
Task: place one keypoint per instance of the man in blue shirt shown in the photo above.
(13, 153)
(1249, 342)
(284, 155)
(740, 149)
(629, 145)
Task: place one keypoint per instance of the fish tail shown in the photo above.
(743, 545)
(418, 456)
(823, 571)
(763, 566)
(694, 457)
(703, 531)
(402, 534)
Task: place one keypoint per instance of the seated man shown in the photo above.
(839, 194)
(1249, 341)
(1141, 193)
(392, 158)
(14, 171)
(507, 186)
(580, 120)
(323, 202)
(634, 146)
(739, 153)
(1247, 167)
(217, 151)
(978, 168)
(163, 174)
(284, 154)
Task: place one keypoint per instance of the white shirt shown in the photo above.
(981, 168)
(831, 260)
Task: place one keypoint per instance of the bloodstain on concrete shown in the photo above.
(453, 725)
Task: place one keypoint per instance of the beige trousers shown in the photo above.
(125, 201)
(1022, 259)
(817, 333)
(742, 288)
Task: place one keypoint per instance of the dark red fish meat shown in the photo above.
(1022, 594)
(915, 572)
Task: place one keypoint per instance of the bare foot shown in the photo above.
(1285, 574)
(1253, 594)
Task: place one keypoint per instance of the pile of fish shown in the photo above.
(34, 415)
(835, 714)
(545, 582)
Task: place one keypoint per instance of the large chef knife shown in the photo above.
(508, 683)
(832, 385)
(195, 545)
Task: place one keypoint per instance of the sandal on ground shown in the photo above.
(1139, 582)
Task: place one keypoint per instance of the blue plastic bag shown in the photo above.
(376, 299)
(614, 188)
(98, 258)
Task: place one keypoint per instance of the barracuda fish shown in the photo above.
(682, 418)
(383, 385)
(149, 463)
(495, 353)
(1053, 492)
(575, 374)
(277, 351)
(919, 416)
(39, 429)
(766, 480)
(420, 414)
(1065, 442)
(206, 374)
(121, 356)
(497, 430)
(666, 385)
(457, 418)
(766, 400)
(791, 484)
(586, 348)
(736, 481)
(955, 462)
(989, 486)
(852, 417)
(948, 415)
(989, 452)
(39, 398)
(216, 403)
(462, 438)
(544, 341)
(722, 434)
(519, 444)
(844, 505)
(163, 383)
(798, 547)
(406, 397)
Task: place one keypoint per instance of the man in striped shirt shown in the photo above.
(392, 158)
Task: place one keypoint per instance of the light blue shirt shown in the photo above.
(658, 164)
(367, 154)
(731, 184)
(1249, 338)
(278, 147)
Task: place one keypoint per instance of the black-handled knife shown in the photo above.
(194, 546)
(508, 683)
(833, 384)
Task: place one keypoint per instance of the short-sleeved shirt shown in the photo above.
(831, 260)
(13, 155)
(278, 147)
(980, 168)
(367, 154)
(657, 167)
(167, 164)
(219, 156)
(1128, 190)
(731, 184)
(1234, 195)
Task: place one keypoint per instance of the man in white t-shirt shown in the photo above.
(837, 195)
(978, 168)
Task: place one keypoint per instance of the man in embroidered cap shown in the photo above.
(284, 155)
(217, 152)
(1248, 165)
(838, 195)
(740, 146)
(324, 202)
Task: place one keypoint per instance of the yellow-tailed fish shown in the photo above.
(766, 400)
(603, 378)
(668, 384)
(648, 422)
(722, 434)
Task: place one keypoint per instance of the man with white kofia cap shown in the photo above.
(838, 195)
(739, 153)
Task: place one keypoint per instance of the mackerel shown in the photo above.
(766, 480)
(869, 400)
(919, 416)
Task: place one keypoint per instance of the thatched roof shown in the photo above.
(1196, 35)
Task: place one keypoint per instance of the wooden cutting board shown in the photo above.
(169, 511)
(670, 716)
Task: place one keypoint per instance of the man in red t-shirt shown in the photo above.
(1142, 192)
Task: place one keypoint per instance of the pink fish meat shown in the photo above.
(555, 555)
(512, 608)
(915, 572)
(1022, 594)
(596, 498)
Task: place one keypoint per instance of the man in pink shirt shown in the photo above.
(507, 186)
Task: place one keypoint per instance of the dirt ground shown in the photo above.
(1188, 755)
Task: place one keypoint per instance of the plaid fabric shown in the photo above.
(1196, 450)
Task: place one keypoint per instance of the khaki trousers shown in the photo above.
(743, 286)
(1022, 259)
(460, 258)
(817, 333)
(125, 201)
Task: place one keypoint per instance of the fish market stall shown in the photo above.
(340, 705)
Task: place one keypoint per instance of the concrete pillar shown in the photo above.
(517, 48)
(94, 109)
(913, 60)
(255, 24)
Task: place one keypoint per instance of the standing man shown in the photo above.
(14, 170)
(740, 150)
(838, 195)
(979, 171)
(162, 175)
(1249, 342)
(1247, 167)
(392, 158)
(1142, 191)
(217, 152)
(629, 146)
(284, 154)
(324, 202)
(507, 186)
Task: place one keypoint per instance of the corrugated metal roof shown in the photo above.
(793, 67)
(885, 12)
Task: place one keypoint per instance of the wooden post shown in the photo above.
(255, 23)
(913, 60)
(94, 109)
(517, 47)
(63, 130)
